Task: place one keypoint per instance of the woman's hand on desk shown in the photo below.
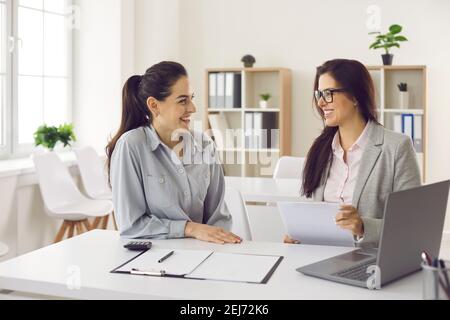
(348, 218)
(288, 240)
(207, 233)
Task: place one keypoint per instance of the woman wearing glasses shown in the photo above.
(166, 181)
(355, 161)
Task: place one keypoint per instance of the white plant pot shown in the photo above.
(263, 104)
(404, 100)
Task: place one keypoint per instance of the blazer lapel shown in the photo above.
(368, 160)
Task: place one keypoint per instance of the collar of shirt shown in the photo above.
(360, 143)
(155, 141)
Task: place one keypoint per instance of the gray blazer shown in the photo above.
(388, 165)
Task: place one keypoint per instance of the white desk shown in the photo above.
(266, 189)
(95, 254)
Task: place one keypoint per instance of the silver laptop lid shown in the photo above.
(413, 222)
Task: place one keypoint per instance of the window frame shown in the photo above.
(6, 145)
(12, 148)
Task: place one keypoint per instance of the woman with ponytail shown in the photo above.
(166, 180)
(355, 161)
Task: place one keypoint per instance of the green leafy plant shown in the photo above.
(265, 96)
(388, 40)
(48, 137)
(403, 87)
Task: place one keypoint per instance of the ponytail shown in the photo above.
(135, 113)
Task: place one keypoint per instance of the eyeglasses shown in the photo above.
(327, 94)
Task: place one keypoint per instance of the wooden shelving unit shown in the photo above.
(386, 79)
(255, 162)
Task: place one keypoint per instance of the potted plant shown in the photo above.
(248, 61)
(387, 41)
(404, 95)
(265, 97)
(48, 137)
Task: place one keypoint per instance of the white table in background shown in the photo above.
(266, 189)
(89, 258)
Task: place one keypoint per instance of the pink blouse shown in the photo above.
(343, 175)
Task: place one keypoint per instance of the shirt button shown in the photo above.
(161, 180)
(186, 193)
(181, 171)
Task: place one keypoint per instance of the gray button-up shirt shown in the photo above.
(155, 193)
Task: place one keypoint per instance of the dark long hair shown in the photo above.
(156, 82)
(355, 77)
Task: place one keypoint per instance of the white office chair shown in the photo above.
(289, 168)
(3, 249)
(92, 171)
(236, 205)
(62, 198)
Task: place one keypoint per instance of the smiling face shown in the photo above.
(176, 110)
(343, 109)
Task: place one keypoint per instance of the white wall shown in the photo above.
(97, 71)
(157, 32)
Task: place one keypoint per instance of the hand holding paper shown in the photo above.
(315, 223)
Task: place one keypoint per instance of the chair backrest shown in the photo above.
(92, 171)
(236, 206)
(289, 168)
(57, 186)
(3, 249)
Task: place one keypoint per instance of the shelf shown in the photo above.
(397, 67)
(263, 150)
(413, 111)
(248, 150)
(254, 82)
(224, 109)
(261, 109)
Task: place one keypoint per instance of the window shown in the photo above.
(4, 75)
(40, 70)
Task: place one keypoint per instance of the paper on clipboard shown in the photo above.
(181, 263)
(313, 223)
(235, 268)
(204, 265)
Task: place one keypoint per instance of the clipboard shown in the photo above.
(203, 265)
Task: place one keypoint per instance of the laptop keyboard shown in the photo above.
(358, 273)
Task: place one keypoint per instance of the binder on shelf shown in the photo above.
(213, 90)
(219, 126)
(229, 88)
(408, 125)
(271, 135)
(237, 90)
(220, 90)
(249, 137)
(418, 140)
(398, 123)
(258, 132)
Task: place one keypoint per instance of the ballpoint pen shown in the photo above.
(166, 256)
(428, 262)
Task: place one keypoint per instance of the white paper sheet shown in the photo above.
(182, 262)
(235, 267)
(313, 223)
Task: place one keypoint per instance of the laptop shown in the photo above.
(413, 223)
